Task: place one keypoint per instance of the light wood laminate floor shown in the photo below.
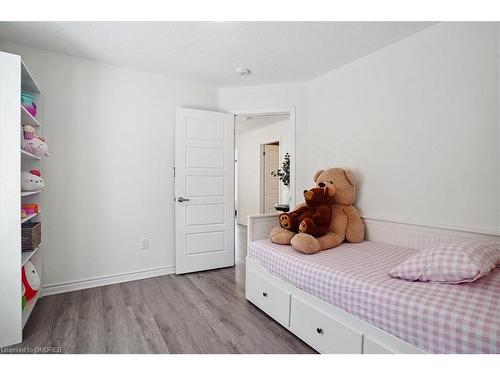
(204, 312)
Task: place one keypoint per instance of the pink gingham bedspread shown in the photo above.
(438, 318)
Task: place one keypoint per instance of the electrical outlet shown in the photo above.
(145, 243)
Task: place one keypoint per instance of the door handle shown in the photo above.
(182, 199)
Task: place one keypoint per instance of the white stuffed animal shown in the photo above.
(32, 180)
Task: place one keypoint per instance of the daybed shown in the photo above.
(342, 300)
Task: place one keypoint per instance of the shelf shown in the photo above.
(28, 84)
(27, 155)
(27, 193)
(27, 255)
(28, 119)
(27, 81)
(29, 217)
(28, 309)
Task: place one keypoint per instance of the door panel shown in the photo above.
(205, 214)
(204, 157)
(204, 168)
(199, 243)
(205, 186)
(205, 128)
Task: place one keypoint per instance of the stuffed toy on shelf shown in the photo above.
(34, 144)
(32, 180)
(30, 280)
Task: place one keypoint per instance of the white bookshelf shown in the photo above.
(27, 255)
(28, 162)
(28, 218)
(28, 119)
(28, 309)
(28, 193)
(28, 83)
(15, 78)
(27, 155)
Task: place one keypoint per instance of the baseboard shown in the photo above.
(51, 289)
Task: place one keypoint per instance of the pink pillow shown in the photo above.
(453, 263)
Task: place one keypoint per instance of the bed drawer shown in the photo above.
(321, 331)
(372, 347)
(269, 297)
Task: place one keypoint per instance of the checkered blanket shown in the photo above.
(438, 318)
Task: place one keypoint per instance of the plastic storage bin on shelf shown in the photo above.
(28, 102)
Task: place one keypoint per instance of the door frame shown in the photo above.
(281, 111)
(263, 171)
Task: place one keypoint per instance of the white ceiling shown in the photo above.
(243, 125)
(210, 52)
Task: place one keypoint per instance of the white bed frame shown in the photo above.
(325, 327)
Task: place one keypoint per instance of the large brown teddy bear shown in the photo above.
(312, 218)
(346, 224)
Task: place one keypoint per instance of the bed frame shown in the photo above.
(325, 327)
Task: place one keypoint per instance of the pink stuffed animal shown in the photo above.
(33, 143)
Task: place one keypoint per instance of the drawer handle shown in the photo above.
(264, 294)
(319, 330)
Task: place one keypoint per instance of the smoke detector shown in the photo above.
(243, 71)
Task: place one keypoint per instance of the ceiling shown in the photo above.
(244, 124)
(209, 52)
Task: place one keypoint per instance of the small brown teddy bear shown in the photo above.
(312, 218)
(346, 223)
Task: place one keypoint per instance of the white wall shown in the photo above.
(419, 122)
(249, 176)
(270, 97)
(109, 179)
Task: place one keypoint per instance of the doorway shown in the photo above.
(262, 140)
(269, 181)
(204, 174)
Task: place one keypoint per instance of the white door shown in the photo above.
(204, 190)
(271, 187)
